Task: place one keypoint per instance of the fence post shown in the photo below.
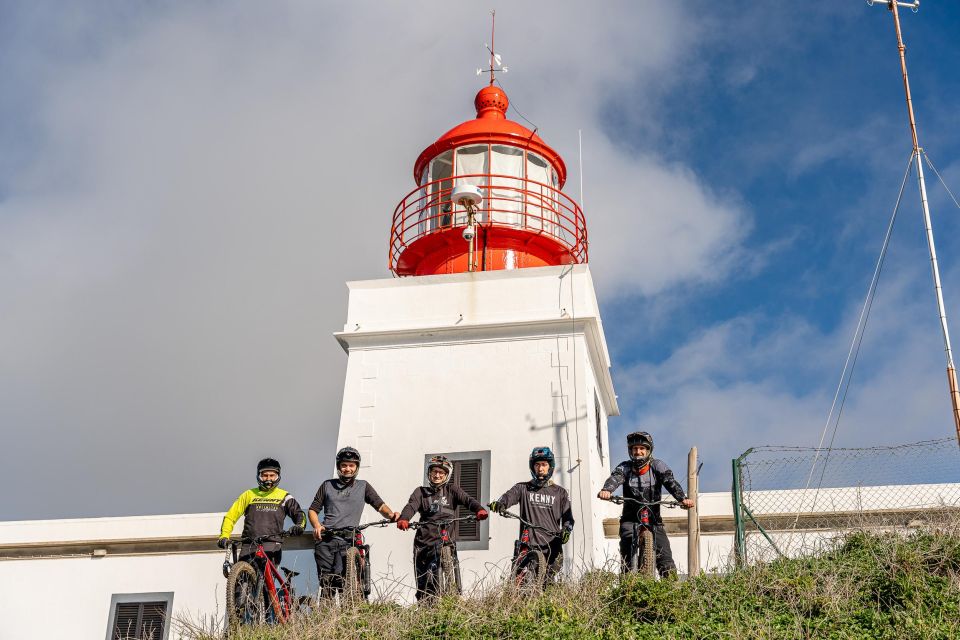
(739, 543)
(693, 517)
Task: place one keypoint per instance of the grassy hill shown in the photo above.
(869, 586)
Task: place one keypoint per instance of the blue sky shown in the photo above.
(176, 181)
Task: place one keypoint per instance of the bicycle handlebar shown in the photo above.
(445, 522)
(621, 499)
(360, 527)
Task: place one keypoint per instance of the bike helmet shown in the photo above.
(348, 454)
(542, 454)
(267, 464)
(444, 463)
(643, 438)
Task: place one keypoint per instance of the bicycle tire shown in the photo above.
(449, 584)
(244, 600)
(353, 575)
(530, 572)
(648, 555)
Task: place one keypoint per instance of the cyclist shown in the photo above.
(341, 500)
(264, 510)
(643, 478)
(543, 503)
(438, 500)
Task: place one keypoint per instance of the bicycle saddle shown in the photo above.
(290, 573)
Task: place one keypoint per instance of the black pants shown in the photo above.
(330, 555)
(423, 558)
(661, 547)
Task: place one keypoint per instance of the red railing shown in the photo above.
(508, 202)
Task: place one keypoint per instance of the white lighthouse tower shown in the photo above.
(486, 344)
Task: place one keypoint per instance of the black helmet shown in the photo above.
(542, 454)
(267, 464)
(348, 454)
(640, 437)
(444, 463)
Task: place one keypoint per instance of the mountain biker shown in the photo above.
(264, 510)
(438, 500)
(341, 500)
(543, 503)
(643, 478)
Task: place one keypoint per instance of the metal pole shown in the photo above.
(739, 544)
(693, 518)
(917, 153)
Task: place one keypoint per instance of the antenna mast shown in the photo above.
(493, 47)
(892, 6)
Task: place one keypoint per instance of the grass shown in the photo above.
(868, 586)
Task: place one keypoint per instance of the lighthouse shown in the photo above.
(487, 342)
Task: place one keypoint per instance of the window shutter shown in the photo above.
(139, 620)
(466, 473)
(152, 620)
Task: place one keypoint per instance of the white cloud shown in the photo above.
(201, 180)
(754, 381)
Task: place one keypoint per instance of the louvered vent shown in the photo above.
(466, 473)
(139, 621)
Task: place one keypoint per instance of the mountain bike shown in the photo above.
(529, 567)
(443, 574)
(643, 555)
(355, 581)
(257, 591)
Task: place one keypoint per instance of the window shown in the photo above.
(597, 409)
(471, 470)
(139, 616)
(466, 473)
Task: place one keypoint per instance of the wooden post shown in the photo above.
(693, 518)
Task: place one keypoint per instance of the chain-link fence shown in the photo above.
(791, 501)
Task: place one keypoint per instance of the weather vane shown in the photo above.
(496, 62)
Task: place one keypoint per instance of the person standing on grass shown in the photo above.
(341, 500)
(644, 478)
(544, 504)
(438, 500)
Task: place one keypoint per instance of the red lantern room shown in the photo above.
(488, 197)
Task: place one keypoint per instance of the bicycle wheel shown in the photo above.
(244, 595)
(647, 554)
(530, 571)
(449, 583)
(353, 576)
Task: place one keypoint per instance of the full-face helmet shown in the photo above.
(542, 454)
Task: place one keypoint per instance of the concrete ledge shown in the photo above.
(129, 547)
(817, 521)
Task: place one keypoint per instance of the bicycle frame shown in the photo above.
(444, 541)
(522, 546)
(355, 536)
(268, 577)
(644, 520)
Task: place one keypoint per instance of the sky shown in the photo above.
(185, 188)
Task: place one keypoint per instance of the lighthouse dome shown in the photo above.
(523, 219)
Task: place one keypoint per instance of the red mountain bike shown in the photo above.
(256, 595)
(529, 567)
(643, 555)
(443, 577)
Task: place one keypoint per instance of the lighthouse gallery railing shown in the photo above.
(508, 202)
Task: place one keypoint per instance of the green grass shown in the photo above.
(869, 586)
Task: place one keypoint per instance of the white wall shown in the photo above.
(496, 361)
(69, 597)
